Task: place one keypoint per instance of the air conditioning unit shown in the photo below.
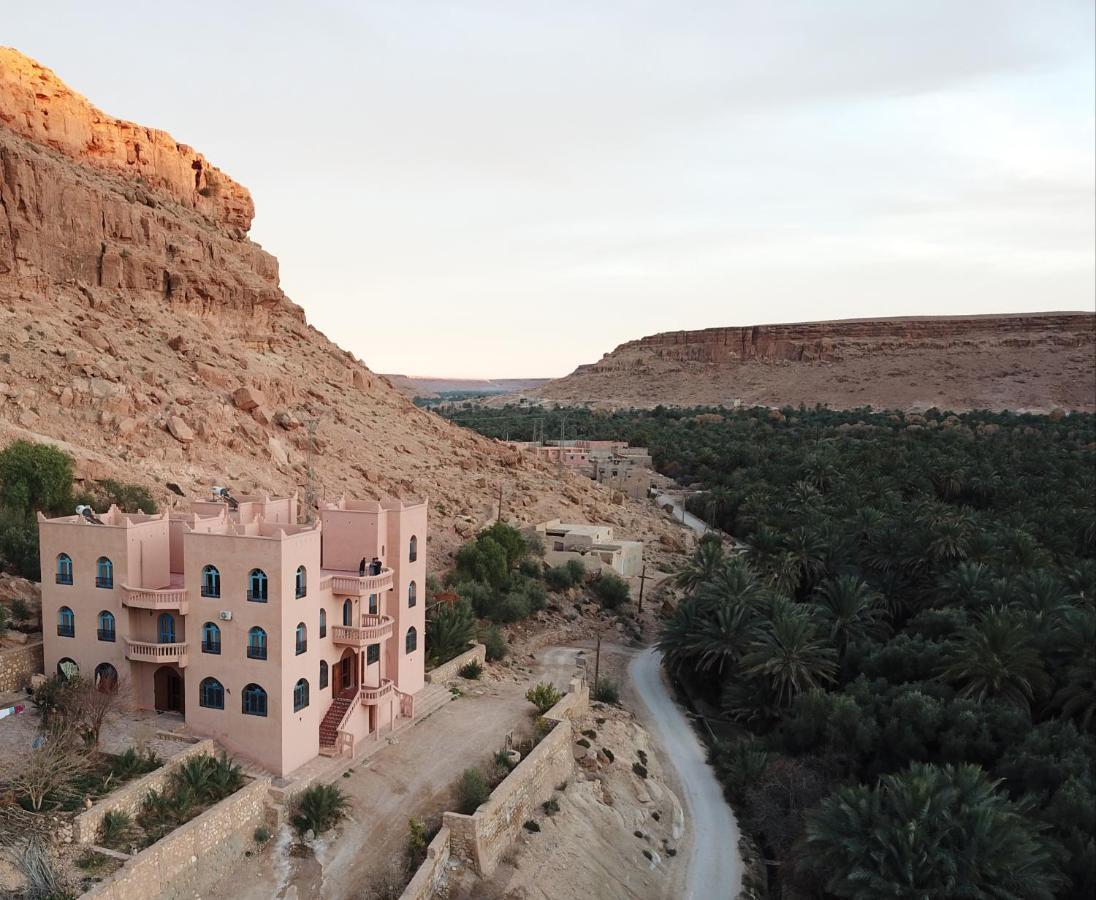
(225, 615)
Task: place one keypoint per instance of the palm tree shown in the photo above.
(449, 630)
(929, 832)
(1077, 697)
(705, 561)
(995, 658)
(967, 584)
(850, 610)
(790, 656)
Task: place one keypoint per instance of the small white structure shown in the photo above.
(592, 545)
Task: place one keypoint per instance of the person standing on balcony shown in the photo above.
(361, 568)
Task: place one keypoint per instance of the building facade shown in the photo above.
(592, 545)
(261, 631)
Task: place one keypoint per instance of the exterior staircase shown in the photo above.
(329, 726)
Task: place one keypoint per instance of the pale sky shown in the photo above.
(509, 188)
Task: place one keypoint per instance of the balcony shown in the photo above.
(353, 585)
(173, 598)
(371, 696)
(373, 630)
(147, 651)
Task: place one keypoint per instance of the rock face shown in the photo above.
(142, 332)
(1033, 362)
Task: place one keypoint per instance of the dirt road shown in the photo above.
(715, 868)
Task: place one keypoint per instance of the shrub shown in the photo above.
(261, 835)
(35, 477)
(590, 733)
(639, 769)
(417, 842)
(449, 631)
(582, 742)
(502, 760)
(20, 611)
(551, 806)
(530, 568)
(558, 578)
(472, 791)
(577, 570)
(531, 826)
(319, 808)
(611, 590)
(544, 696)
(607, 691)
(471, 670)
(129, 764)
(608, 754)
(3, 620)
(494, 643)
(116, 830)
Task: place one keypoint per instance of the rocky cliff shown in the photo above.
(1033, 362)
(142, 331)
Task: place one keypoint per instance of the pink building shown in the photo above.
(260, 631)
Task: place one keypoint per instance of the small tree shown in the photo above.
(472, 791)
(320, 808)
(611, 590)
(49, 767)
(494, 643)
(544, 696)
(35, 477)
(449, 631)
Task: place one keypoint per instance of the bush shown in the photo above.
(261, 835)
(544, 696)
(639, 769)
(116, 831)
(607, 691)
(531, 826)
(494, 643)
(472, 791)
(319, 808)
(35, 477)
(417, 842)
(449, 631)
(551, 806)
(577, 570)
(558, 578)
(471, 670)
(611, 590)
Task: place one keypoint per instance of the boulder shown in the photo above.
(248, 398)
(180, 430)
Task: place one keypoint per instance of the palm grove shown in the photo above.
(900, 663)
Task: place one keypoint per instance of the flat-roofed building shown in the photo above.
(592, 545)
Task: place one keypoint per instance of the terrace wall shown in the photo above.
(450, 669)
(18, 664)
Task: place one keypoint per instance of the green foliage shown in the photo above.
(471, 670)
(472, 791)
(531, 826)
(494, 643)
(558, 578)
(35, 477)
(319, 808)
(3, 620)
(607, 691)
(20, 610)
(19, 544)
(449, 630)
(417, 842)
(543, 696)
(482, 560)
(510, 539)
(262, 835)
(127, 497)
(117, 830)
(611, 590)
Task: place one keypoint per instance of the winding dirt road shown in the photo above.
(715, 869)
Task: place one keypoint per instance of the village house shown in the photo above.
(592, 545)
(278, 639)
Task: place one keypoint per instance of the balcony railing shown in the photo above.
(372, 630)
(256, 596)
(166, 599)
(211, 591)
(64, 578)
(359, 586)
(374, 695)
(66, 631)
(211, 646)
(147, 651)
(256, 652)
(106, 634)
(101, 582)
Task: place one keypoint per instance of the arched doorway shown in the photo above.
(346, 672)
(106, 677)
(67, 667)
(168, 690)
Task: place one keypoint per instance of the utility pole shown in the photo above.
(499, 519)
(642, 582)
(597, 662)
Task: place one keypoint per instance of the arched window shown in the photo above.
(323, 674)
(302, 582)
(256, 643)
(348, 613)
(165, 628)
(412, 594)
(257, 586)
(104, 573)
(413, 549)
(211, 694)
(211, 638)
(323, 623)
(211, 582)
(64, 568)
(412, 640)
(67, 667)
(106, 678)
(254, 700)
(106, 626)
(66, 622)
(300, 695)
(302, 638)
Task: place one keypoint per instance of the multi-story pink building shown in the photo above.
(261, 631)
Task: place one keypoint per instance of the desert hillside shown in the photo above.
(142, 331)
(1036, 362)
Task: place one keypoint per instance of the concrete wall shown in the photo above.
(128, 798)
(429, 875)
(18, 664)
(191, 859)
(451, 669)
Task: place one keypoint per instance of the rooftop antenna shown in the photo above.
(222, 493)
(89, 514)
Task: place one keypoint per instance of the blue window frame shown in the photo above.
(211, 638)
(413, 549)
(348, 613)
(106, 630)
(256, 643)
(412, 640)
(165, 628)
(302, 582)
(323, 623)
(372, 654)
(254, 700)
(412, 595)
(257, 586)
(211, 694)
(64, 568)
(300, 695)
(302, 638)
(211, 582)
(104, 573)
(323, 674)
(66, 622)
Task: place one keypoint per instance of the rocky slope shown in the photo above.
(144, 333)
(1036, 362)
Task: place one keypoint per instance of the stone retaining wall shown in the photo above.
(195, 856)
(448, 670)
(128, 798)
(18, 664)
(430, 873)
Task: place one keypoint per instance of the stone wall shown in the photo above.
(430, 873)
(448, 670)
(195, 856)
(128, 798)
(18, 664)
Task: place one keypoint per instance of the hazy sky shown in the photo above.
(512, 188)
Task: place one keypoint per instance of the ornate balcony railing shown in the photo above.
(373, 695)
(148, 651)
(359, 586)
(166, 599)
(372, 630)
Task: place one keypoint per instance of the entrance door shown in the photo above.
(346, 668)
(168, 690)
(165, 631)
